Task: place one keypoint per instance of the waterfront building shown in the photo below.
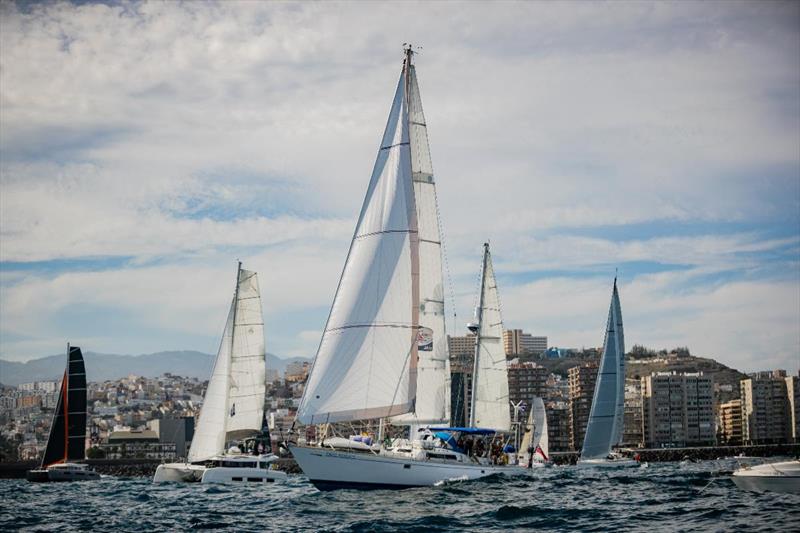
(558, 424)
(137, 443)
(632, 436)
(526, 380)
(793, 394)
(729, 423)
(176, 430)
(462, 353)
(517, 342)
(765, 413)
(677, 409)
(461, 345)
(581, 381)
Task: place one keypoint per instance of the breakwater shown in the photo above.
(705, 453)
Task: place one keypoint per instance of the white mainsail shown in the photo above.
(490, 370)
(604, 429)
(233, 406)
(366, 363)
(433, 366)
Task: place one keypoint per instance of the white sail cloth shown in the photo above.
(540, 436)
(490, 385)
(604, 428)
(433, 367)
(366, 362)
(233, 406)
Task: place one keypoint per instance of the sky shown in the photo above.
(145, 147)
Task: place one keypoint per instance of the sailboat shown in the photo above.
(535, 448)
(383, 352)
(606, 417)
(67, 440)
(233, 406)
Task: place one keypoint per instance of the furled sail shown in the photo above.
(366, 362)
(490, 375)
(433, 367)
(233, 406)
(604, 428)
(67, 439)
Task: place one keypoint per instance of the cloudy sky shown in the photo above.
(147, 146)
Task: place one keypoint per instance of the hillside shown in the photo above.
(101, 367)
(637, 367)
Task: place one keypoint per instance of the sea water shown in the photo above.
(659, 497)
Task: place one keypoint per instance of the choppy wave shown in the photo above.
(663, 497)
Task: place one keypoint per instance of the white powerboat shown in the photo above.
(775, 477)
(233, 407)
(604, 428)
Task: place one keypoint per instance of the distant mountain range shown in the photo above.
(101, 366)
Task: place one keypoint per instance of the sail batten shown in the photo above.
(605, 424)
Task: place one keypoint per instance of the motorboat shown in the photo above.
(774, 477)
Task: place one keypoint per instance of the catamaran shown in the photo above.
(534, 449)
(67, 440)
(606, 417)
(383, 353)
(233, 407)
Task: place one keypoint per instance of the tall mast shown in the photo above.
(477, 331)
(233, 331)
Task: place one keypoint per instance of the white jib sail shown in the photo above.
(491, 385)
(539, 415)
(433, 367)
(366, 362)
(604, 428)
(234, 400)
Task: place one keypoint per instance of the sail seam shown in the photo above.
(385, 231)
(393, 145)
(374, 326)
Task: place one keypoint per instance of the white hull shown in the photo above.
(178, 473)
(776, 477)
(63, 472)
(607, 463)
(329, 470)
(221, 469)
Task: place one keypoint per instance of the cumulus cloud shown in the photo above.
(174, 137)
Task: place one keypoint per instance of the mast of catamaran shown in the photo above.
(476, 327)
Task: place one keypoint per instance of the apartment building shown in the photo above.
(765, 408)
(581, 381)
(678, 409)
(517, 342)
(729, 423)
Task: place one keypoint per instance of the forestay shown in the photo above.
(233, 406)
(491, 384)
(366, 363)
(433, 367)
(604, 428)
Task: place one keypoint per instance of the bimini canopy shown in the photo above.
(468, 431)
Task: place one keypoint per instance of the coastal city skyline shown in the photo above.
(673, 161)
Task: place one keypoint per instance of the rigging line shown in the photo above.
(444, 256)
